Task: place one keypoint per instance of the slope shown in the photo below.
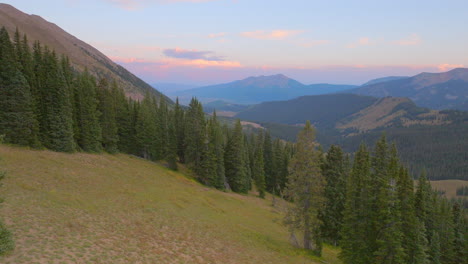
(322, 110)
(80, 53)
(84, 208)
(446, 90)
(259, 89)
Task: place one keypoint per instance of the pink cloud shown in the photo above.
(274, 34)
(446, 67)
(412, 40)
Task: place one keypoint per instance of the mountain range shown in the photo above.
(446, 90)
(435, 140)
(81, 54)
(258, 89)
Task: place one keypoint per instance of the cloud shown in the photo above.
(278, 34)
(192, 54)
(412, 40)
(447, 67)
(136, 4)
(175, 62)
(217, 35)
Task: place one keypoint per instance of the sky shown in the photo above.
(201, 42)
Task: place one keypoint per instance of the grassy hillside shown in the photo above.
(84, 208)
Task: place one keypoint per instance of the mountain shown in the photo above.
(223, 106)
(432, 139)
(171, 88)
(81, 54)
(447, 90)
(321, 110)
(384, 79)
(259, 89)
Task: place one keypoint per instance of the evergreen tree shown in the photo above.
(146, 128)
(234, 160)
(386, 215)
(171, 155)
(18, 122)
(179, 126)
(414, 242)
(87, 116)
(124, 120)
(162, 129)
(56, 116)
(460, 244)
(216, 140)
(268, 162)
(194, 134)
(258, 173)
(334, 170)
(435, 248)
(108, 122)
(305, 189)
(356, 216)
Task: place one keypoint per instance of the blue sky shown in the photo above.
(205, 42)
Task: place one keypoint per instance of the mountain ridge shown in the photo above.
(81, 54)
(446, 90)
(256, 89)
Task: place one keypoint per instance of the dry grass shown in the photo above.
(84, 208)
(449, 186)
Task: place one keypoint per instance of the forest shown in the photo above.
(367, 206)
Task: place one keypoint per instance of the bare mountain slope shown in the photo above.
(80, 53)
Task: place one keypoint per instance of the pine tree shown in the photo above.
(460, 244)
(386, 223)
(258, 173)
(87, 115)
(56, 116)
(435, 248)
(18, 122)
(334, 170)
(124, 120)
(171, 155)
(356, 216)
(234, 160)
(179, 126)
(194, 134)
(108, 122)
(146, 128)
(268, 162)
(414, 242)
(216, 139)
(305, 189)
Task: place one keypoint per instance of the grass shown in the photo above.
(85, 208)
(449, 187)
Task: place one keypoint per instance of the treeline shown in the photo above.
(373, 212)
(46, 103)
